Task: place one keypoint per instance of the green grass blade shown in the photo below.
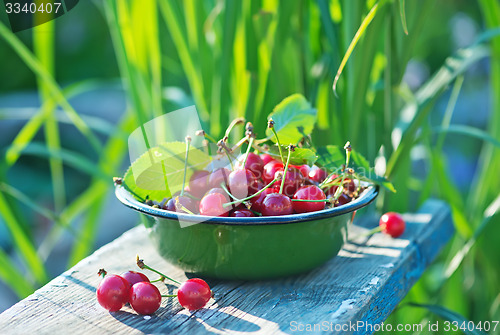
(420, 13)
(70, 158)
(110, 162)
(22, 242)
(402, 13)
(362, 74)
(330, 29)
(31, 61)
(81, 204)
(96, 123)
(13, 277)
(448, 113)
(482, 188)
(87, 235)
(27, 201)
(171, 15)
(468, 131)
(43, 43)
(221, 117)
(492, 210)
(36, 120)
(450, 316)
(419, 109)
(366, 21)
(267, 39)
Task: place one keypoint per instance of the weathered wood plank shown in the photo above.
(364, 282)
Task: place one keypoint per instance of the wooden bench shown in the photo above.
(364, 283)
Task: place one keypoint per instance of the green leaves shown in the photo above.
(294, 118)
(332, 157)
(299, 156)
(159, 172)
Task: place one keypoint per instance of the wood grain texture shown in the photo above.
(365, 282)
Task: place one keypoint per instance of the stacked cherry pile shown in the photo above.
(135, 288)
(261, 184)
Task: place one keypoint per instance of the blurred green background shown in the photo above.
(423, 106)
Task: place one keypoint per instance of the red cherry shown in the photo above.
(304, 169)
(293, 180)
(266, 158)
(257, 200)
(112, 292)
(310, 192)
(212, 205)
(194, 294)
(240, 213)
(198, 183)
(217, 190)
(260, 184)
(318, 174)
(187, 202)
(242, 183)
(254, 163)
(218, 177)
(275, 204)
(134, 277)
(342, 200)
(145, 298)
(349, 185)
(392, 223)
(270, 170)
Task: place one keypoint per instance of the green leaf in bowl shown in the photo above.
(299, 156)
(332, 157)
(159, 172)
(293, 118)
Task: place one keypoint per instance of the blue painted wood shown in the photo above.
(364, 283)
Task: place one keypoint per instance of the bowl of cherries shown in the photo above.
(273, 210)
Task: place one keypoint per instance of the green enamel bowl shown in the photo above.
(248, 248)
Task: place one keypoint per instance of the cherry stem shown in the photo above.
(249, 197)
(161, 279)
(188, 143)
(327, 182)
(227, 191)
(235, 122)
(348, 149)
(259, 149)
(168, 295)
(286, 168)
(228, 154)
(102, 273)
(330, 183)
(263, 140)
(180, 206)
(189, 195)
(210, 138)
(368, 233)
(142, 265)
(239, 144)
(339, 191)
(310, 200)
(279, 144)
(250, 144)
